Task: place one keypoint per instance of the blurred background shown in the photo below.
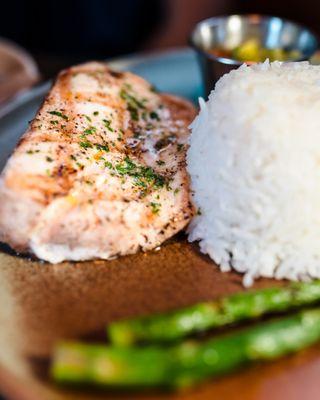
(58, 33)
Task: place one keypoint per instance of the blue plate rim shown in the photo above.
(119, 63)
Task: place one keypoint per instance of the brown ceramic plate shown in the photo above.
(41, 303)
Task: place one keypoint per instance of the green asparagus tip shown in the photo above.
(79, 363)
(109, 366)
(119, 334)
(73, 366)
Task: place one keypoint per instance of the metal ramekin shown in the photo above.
(230, 31)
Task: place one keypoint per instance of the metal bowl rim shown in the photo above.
(262, 17)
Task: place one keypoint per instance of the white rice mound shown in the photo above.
(254, 162)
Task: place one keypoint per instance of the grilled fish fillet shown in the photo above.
(101, 170)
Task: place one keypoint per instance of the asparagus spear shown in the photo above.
(203, 316)
(80, 363)
(186, 363)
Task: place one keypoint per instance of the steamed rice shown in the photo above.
(254, 162)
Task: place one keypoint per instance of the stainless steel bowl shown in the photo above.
(231, 31)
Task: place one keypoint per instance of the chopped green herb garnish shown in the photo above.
(144, 177)
(133, 104)
(127, 86)
(79, 165)
(126, 166)
(120, 135)
(160, 162)
(49, 159)
(180, 146)
(54, 122)
(134, 113)
(58, 114)
(90, 130)
(74, 158)
(108, 164)
(103, 147)
(29, 151)
(87, 118)
(154, 115)
(107, 124)
(131, 99)
(85, 145)
(95, 113)
(155, 207)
